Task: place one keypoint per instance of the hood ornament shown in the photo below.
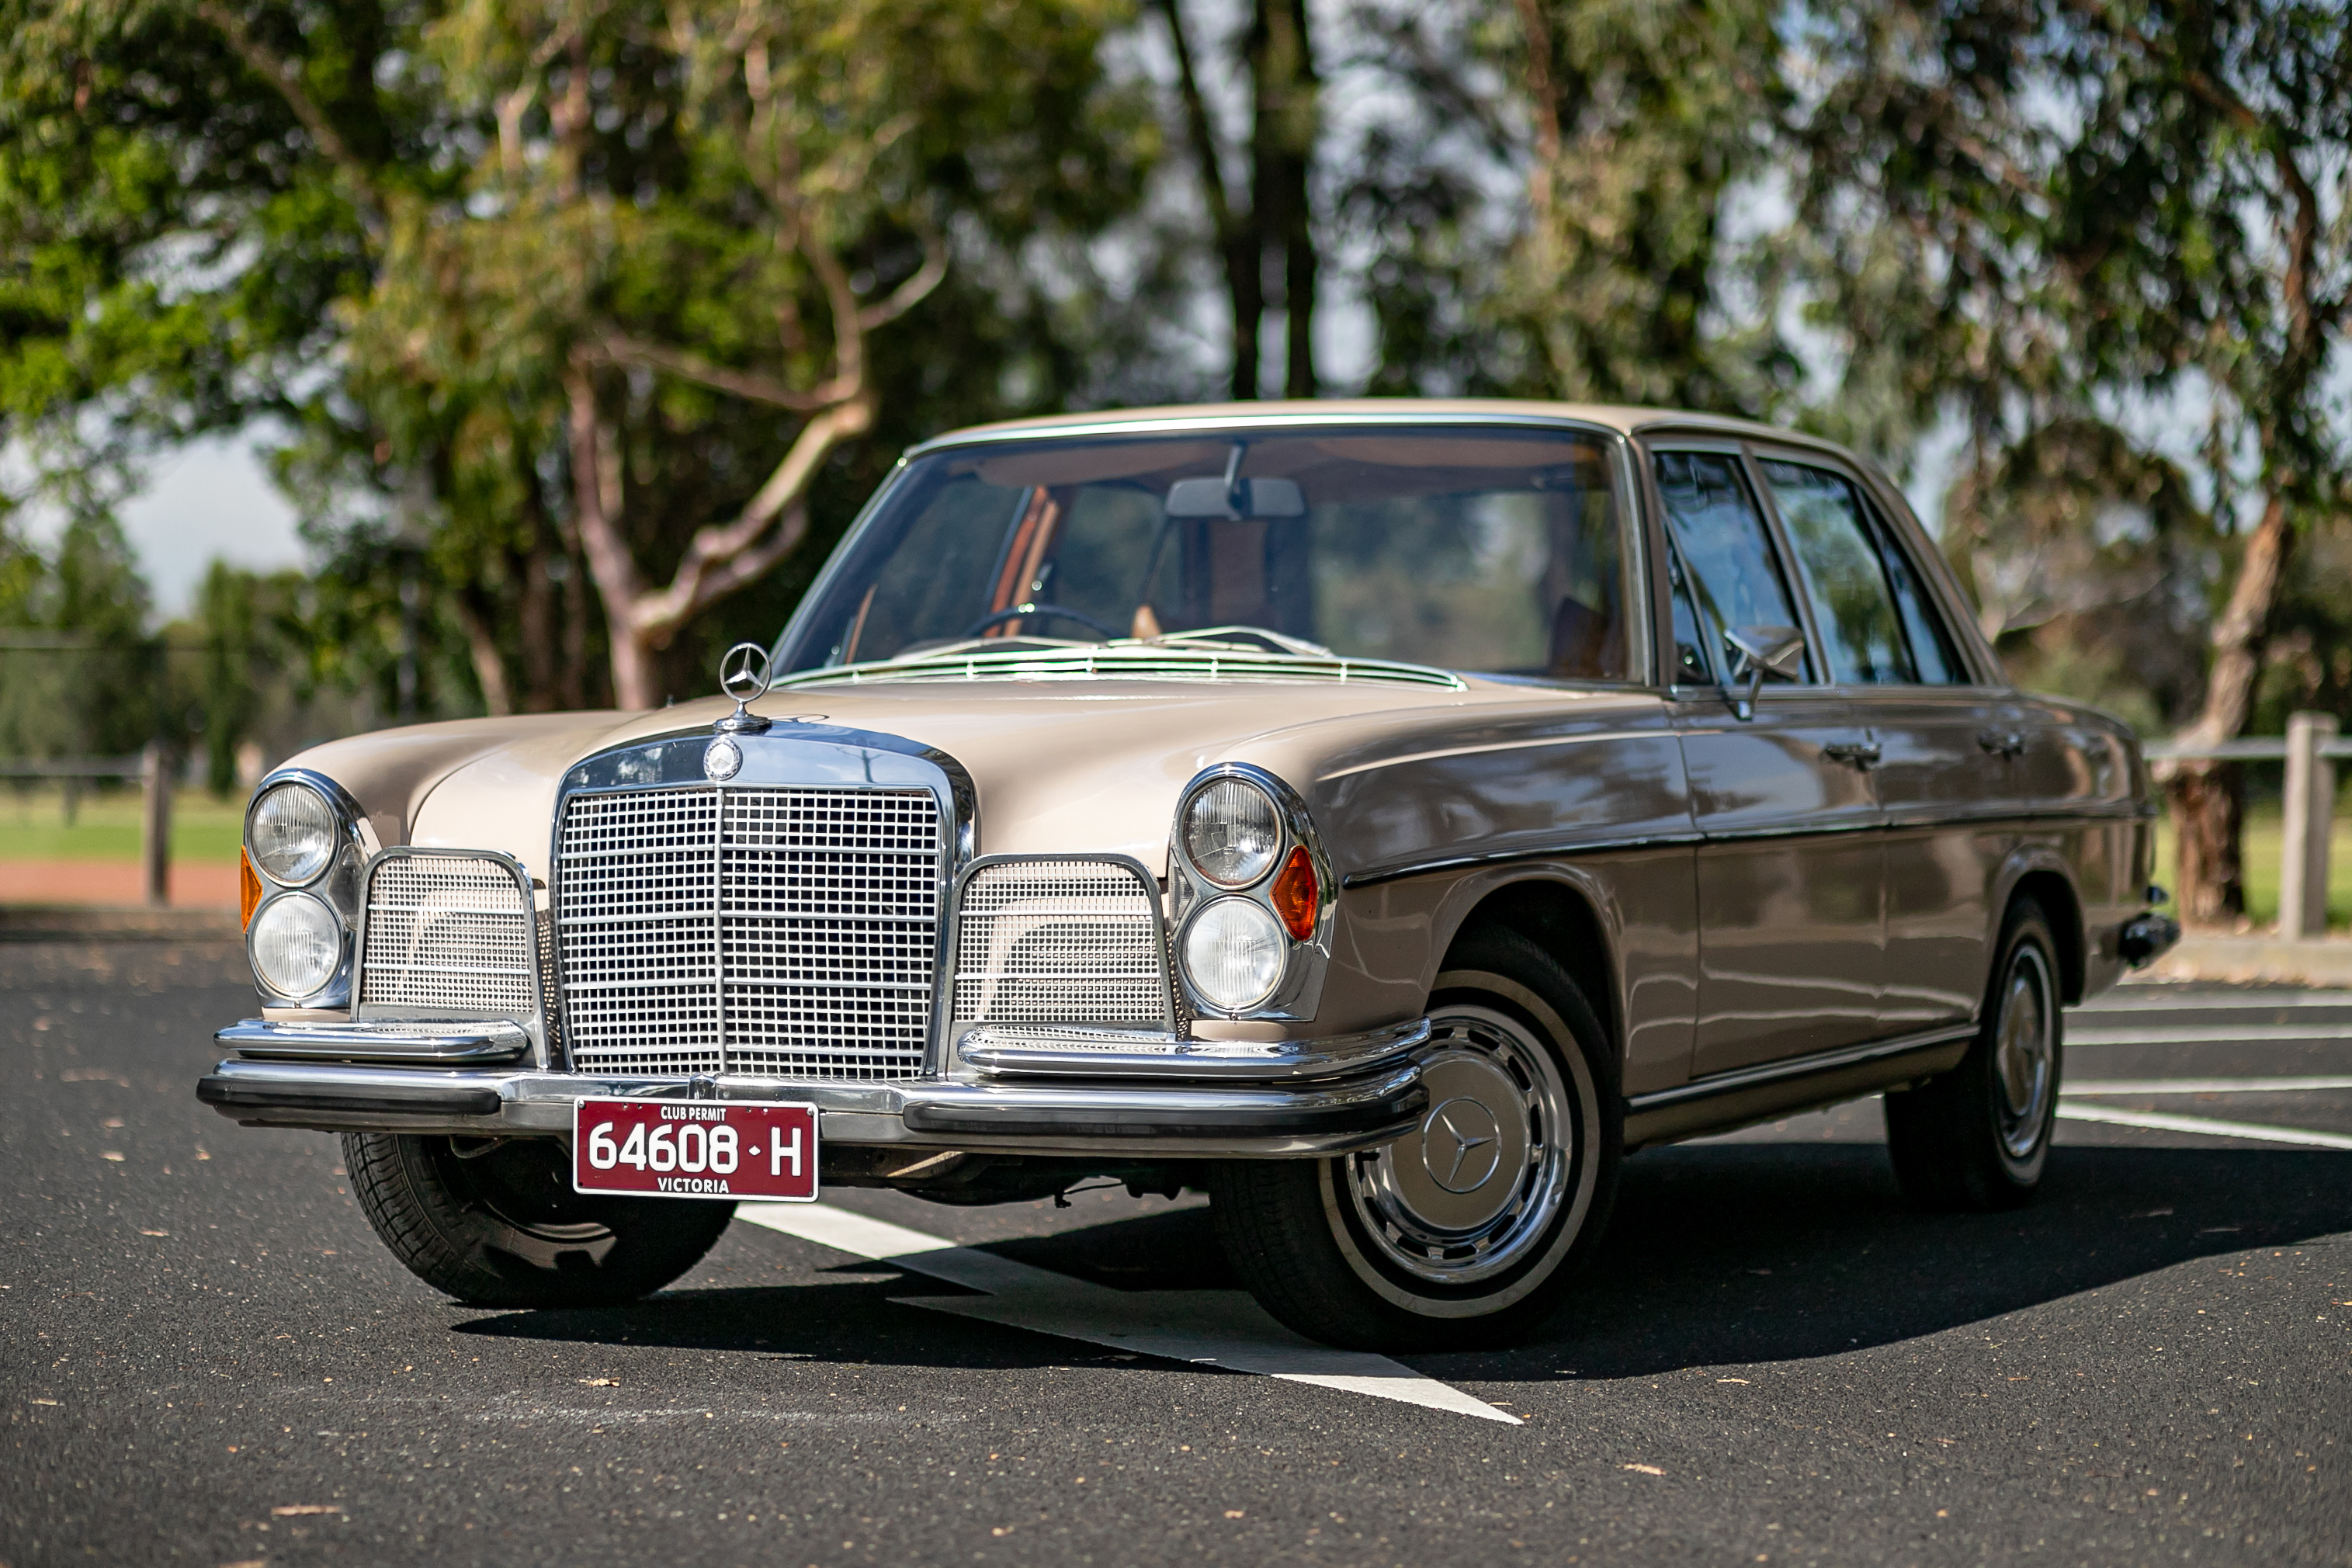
(744, 675)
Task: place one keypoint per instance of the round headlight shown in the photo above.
(293, 834)
(297, 945)
(1232, 833)
(1232, 954)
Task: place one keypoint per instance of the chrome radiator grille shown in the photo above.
(448, 934)
(789, 931)
(1061, 942)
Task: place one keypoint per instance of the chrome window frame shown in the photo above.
(535, 1026)
(674, 760)
(1299, 992)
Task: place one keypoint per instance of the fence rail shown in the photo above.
(153, 768)
(2309, 749)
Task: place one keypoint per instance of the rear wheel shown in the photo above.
(1464, 1232)
(1978, 1137)
(495, 1223)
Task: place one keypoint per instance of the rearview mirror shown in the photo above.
(1211, 497)
(1759, 651)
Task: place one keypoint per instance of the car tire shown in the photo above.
(495, 1223)
(1408, 1247)
(1978, 1138)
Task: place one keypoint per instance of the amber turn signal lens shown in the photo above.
(1295, 893)
(249, 889)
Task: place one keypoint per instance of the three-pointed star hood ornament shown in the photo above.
(744, 675)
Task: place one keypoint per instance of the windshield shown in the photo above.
(1496, 550)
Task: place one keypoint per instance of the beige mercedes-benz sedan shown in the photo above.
(1384, 817)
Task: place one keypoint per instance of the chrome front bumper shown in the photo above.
(1208, 1099)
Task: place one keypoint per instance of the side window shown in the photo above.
(1931, 645)
(1845, 576)
(1726, 561)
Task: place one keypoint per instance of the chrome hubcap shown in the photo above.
(2024, 1049)
(1467, 1193)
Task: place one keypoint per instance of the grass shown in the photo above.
(107, 827)
(2259, 843)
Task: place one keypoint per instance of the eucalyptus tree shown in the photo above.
(573, 311)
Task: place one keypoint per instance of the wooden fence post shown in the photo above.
(2310, 805)
(157, 770)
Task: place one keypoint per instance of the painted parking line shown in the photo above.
(2215, 1002)
(2163, 1122)
(2202, 1085)
(1217, 1328)
(2208, 1034)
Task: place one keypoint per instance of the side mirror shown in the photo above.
(1759, 651)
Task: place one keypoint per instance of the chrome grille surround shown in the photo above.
(783, 923)
(449, 934)
(1067, 940)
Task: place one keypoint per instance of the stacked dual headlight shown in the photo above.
(296, 840)
(1266, 897)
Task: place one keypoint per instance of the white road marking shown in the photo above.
(1219, 1327)
(2208, 1034)
(2202, 1085)
(2154, 1000)
(2161, 1122)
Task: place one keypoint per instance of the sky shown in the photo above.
(209, 499)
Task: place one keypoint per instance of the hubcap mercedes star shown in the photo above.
(1469, 1192)
(2023, 1053)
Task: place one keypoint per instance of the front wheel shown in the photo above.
(495, 1223)
(1978, 1137)
(1462, 1234)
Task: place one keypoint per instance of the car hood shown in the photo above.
(1061, 765)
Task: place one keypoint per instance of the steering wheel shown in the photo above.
(1019, 612)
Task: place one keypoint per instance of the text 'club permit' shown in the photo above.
(694, 1149)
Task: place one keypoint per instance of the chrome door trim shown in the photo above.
(1797, 1066)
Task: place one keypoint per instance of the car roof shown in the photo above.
(1281, 412)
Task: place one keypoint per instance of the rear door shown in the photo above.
(1945, 747)
(1790, 872)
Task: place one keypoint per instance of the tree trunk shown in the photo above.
(1284, 136)
(595, 506)
(2207, 810)
(2204, 796)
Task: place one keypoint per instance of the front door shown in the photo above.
(1790, 868)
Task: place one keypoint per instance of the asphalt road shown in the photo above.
(209, 1359)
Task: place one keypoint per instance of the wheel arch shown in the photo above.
(2054, 892)
(1565, 921)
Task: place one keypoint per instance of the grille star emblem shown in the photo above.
(722, 760)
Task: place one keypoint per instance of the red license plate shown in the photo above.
(694, 1149)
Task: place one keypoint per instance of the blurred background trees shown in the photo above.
(583, 328)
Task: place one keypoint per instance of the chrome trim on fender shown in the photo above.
(456, 1042)
(1023, 1052)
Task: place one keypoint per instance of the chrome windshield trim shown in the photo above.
(1177, 423)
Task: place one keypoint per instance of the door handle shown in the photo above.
(1863, 754)
(2001, 743)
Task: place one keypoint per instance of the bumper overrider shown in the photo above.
(1015, 1094)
